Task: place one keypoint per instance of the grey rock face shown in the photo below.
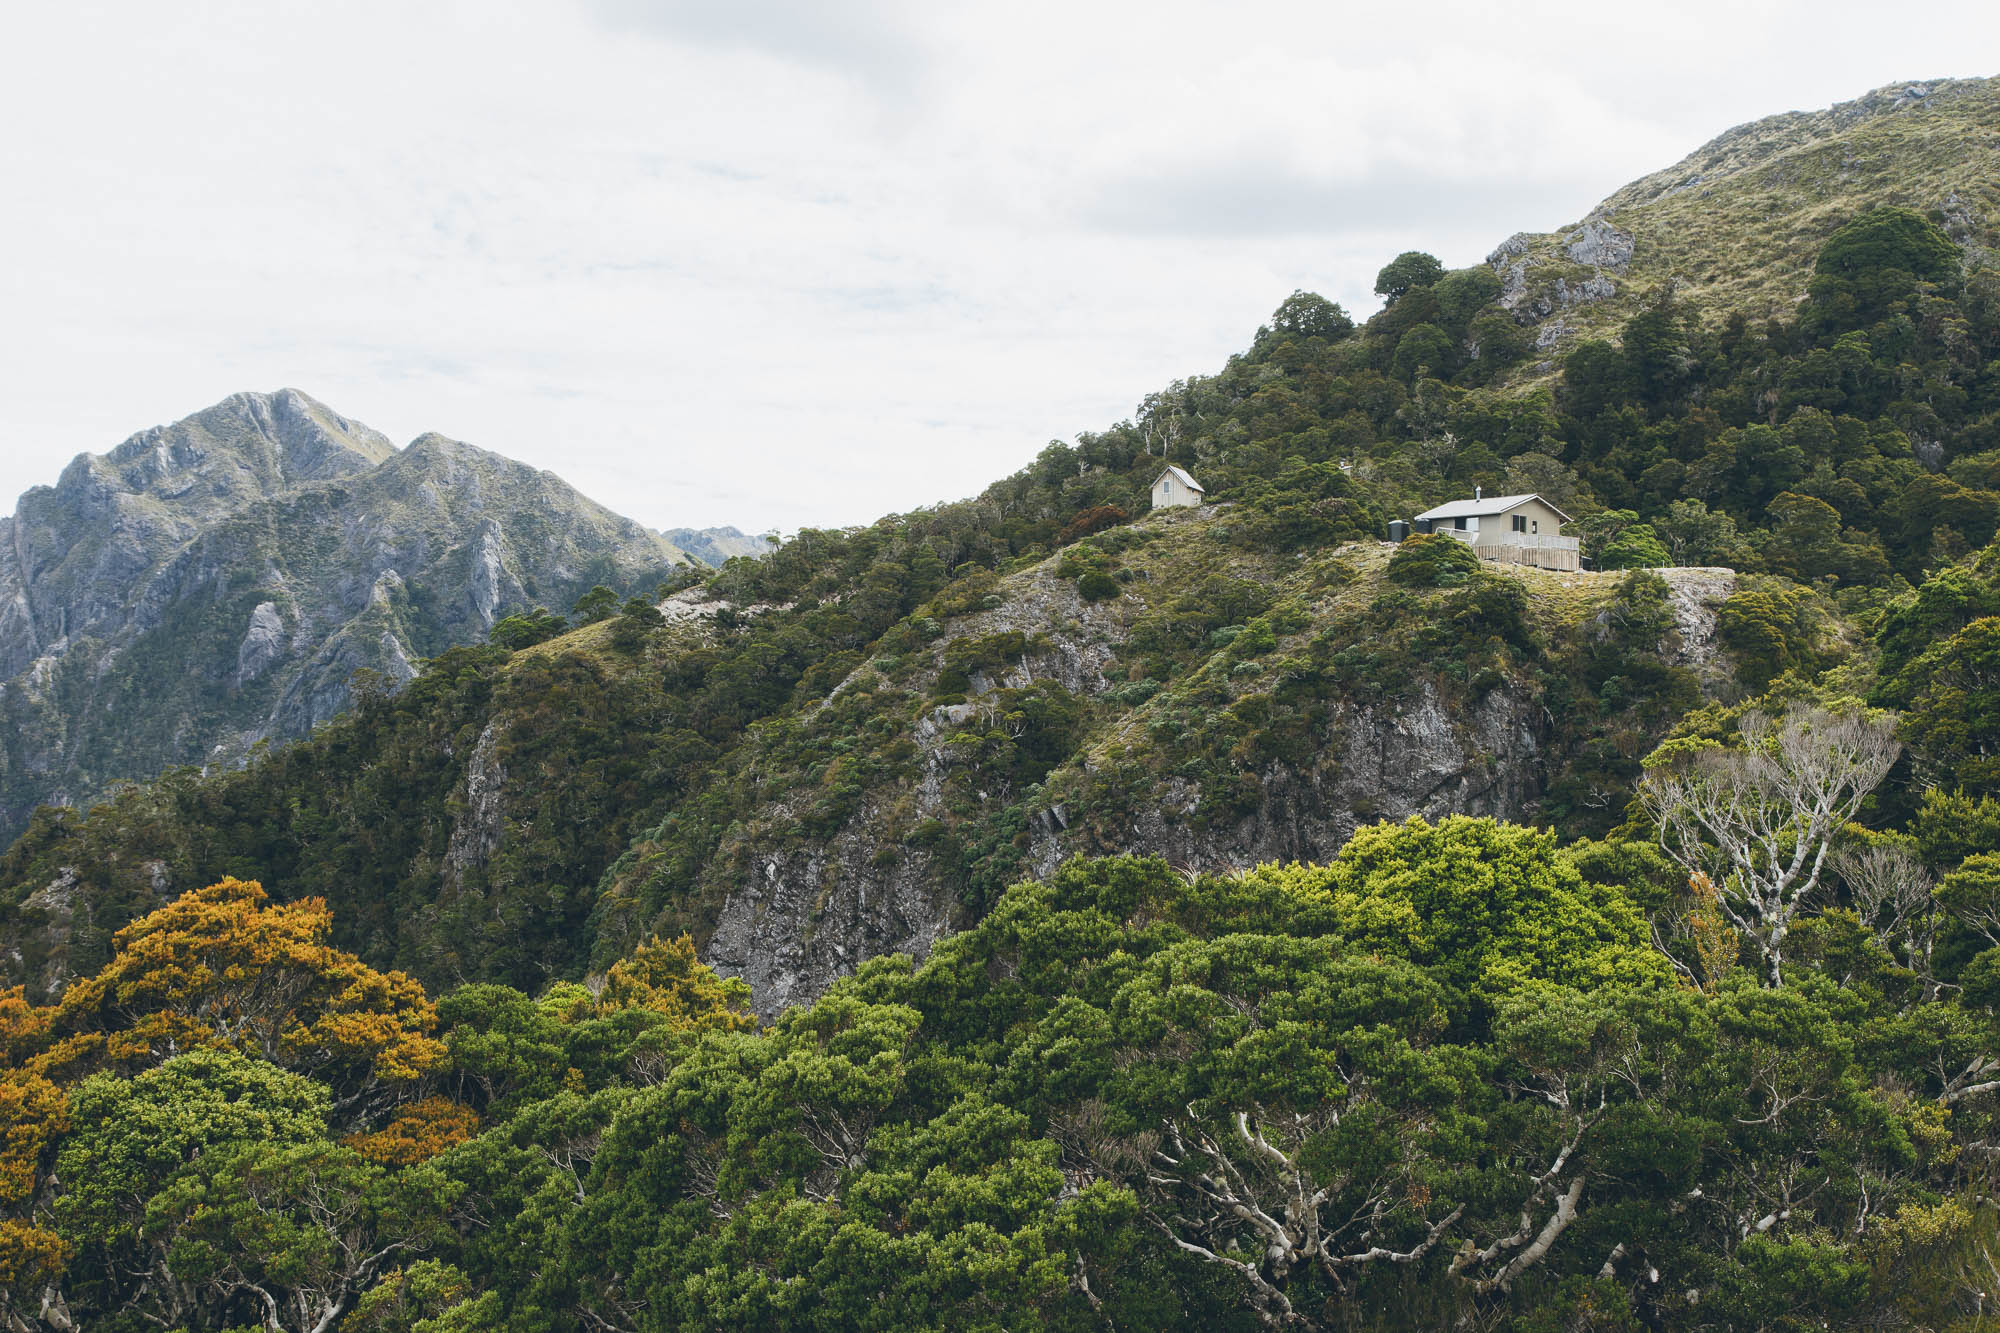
(476, 836)
(797, 920)
(263, 644)
(1695, 594)
(488, 577)
(1599, 243)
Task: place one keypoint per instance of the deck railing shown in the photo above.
(1547, 541)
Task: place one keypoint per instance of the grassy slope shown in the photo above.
(1734, 226)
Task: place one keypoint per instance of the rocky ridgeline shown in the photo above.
(1782, 184)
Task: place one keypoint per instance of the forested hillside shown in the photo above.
(1452, 944)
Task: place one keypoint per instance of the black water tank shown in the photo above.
(1424, 525)
(1398, 530)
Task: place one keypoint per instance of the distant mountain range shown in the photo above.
(718, 546)
(218, 582)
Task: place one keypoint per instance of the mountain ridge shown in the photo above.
(1780, 185)
(241, 564)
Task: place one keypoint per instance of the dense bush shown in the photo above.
(1432, 560)
(1070, 1115)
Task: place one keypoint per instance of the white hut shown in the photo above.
(1175, 487)
(1521, 529)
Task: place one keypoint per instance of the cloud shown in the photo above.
(1268, 199)
(799, 261)
(857, 39)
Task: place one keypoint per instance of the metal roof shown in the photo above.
(1489, 505)
(1183, 478)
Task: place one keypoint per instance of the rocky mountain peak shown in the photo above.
(235, 569)
(249, 443)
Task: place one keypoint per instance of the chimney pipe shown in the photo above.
(1475, 492)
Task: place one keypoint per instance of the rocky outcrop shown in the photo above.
(263, 644)
(799, 918)
(802, 917)
(1695, 594)
(476, 834)
(1600, 245)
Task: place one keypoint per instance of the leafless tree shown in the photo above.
(1758, 818)
(1892, 891)
(1162, 417)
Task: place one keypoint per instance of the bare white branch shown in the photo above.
(1759, 818)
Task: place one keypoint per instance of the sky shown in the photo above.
(776, 263)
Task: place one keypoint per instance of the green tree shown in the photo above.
(1769, 631)
(1310, 315)
(638, 619)
(1424, 348)
(1953, 719)
(1463, 293)
(600, 603)
(1877, 259)
(138, 1138)
(1406, 272)
(1656, 347)
(1806, 542)
(1694, 534)
(526, 629)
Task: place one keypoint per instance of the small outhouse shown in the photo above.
(1176, 487)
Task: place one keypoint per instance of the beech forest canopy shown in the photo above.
(1463, 1072)
(1717, 1049)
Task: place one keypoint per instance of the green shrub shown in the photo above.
(527, 629)
(1638, 547)
(1432, 560)
(1097, 586)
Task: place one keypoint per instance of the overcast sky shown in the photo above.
(778, 262)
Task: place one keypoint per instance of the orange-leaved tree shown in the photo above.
(226, 967)
(219, 969)
(417, 1133)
